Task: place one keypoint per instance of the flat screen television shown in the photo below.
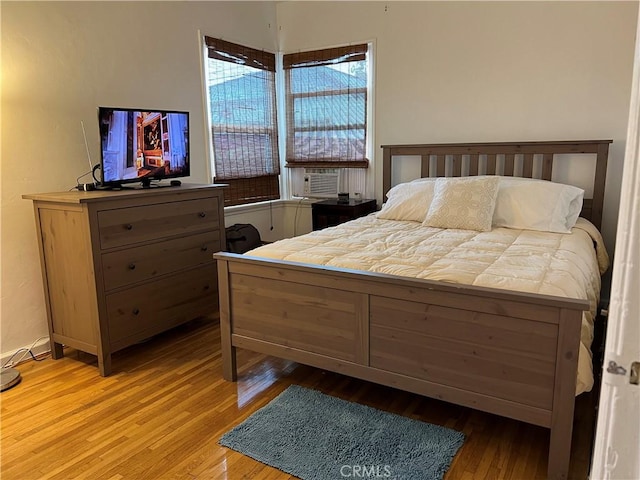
(141, 146)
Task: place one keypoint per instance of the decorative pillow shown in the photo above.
(531, 204)
(466, 203)
(408, 201)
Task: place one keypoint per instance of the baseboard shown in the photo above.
(41, 349)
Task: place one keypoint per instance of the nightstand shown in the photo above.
(328, 213)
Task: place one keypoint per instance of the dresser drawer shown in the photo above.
(126, 226)
(136, 264)
(141, 312)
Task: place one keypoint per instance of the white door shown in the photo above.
(616, 454)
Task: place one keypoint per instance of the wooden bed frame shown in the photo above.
(509, 353)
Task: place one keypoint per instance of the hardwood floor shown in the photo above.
(160, 413)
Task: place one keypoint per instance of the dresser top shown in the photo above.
(75, 196)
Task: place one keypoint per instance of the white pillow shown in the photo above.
(531, 204)
(465, 203)
(408, 201)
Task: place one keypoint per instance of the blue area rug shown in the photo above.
(314, 436)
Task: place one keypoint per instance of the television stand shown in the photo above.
(148, 184)
(144, 185)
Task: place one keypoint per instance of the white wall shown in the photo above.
(275, 220)
(445, 72)
(486, 71)
(60, 60)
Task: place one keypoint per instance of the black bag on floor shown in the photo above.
(242, 237)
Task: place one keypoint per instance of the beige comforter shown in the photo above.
(564, 265)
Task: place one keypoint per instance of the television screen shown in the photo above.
(143, 145)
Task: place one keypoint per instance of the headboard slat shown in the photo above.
(473, 164)
(457, 165)
(440, 166)
(547, 166)
(491, 164)
(527, 165)
(592, 209)
(509, 160)
(424, 166)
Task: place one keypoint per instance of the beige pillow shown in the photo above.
(466, 203)
(408, 201)
(531, 204)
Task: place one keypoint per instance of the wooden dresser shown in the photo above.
(121, 266)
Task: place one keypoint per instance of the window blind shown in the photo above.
(241, 88)
(326, 101)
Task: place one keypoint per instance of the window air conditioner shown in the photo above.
(321, 182)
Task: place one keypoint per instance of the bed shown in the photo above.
(501, 350)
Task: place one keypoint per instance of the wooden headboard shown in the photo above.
(521, 159)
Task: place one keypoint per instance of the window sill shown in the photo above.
(261, 206)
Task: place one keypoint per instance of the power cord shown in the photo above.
(87, 187)
(83, 175)
(295, 217)
(10, 363)
(271, 215)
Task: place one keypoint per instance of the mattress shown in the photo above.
(566, 265)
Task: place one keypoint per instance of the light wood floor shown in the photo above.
(159, 415)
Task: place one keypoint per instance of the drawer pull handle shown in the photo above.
(136, 311)
(204, 248)
(132, 266)
(206, 287)
(202, 214)
(128, 226)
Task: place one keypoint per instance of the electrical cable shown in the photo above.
(271, 215)
(10, 363)
(295, 217)
(87, 187)
(83, 175)
(95, 168)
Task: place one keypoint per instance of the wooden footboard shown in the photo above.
(508, 353)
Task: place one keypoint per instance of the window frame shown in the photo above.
(317, 58)
(242, 188)
(285, 180)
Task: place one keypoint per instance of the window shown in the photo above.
(326, 102)
(241, 89)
